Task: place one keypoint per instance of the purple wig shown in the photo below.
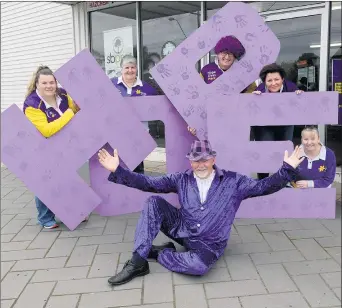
(230, 44)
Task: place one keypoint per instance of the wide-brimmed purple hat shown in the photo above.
(200, 150)
(230, 44)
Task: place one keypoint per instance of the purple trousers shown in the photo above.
(159, 215)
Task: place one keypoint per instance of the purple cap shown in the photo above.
(201, 150)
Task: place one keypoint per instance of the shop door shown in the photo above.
(300, 35)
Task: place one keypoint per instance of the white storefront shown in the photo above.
(32, 33)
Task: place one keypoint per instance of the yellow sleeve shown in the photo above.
(71, 104)
(252, 87)
(201, 75)
(39, 120)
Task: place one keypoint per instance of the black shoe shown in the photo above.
(155, 250)
(129, 271)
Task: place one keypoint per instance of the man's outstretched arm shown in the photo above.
(120, 175)
(161, 184)
(249, 188)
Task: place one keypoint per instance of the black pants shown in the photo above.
(139, 168)
(272, 133)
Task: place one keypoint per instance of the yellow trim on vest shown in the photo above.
(39, 120)
(71, 103)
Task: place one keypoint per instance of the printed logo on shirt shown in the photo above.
(140, 93)
(211, 75)
(50, 113)
(322, 168)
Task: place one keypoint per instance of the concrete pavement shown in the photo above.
(269, 263)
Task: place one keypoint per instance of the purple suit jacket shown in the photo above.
(225, 195)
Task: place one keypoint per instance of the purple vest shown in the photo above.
(146, 89)
(34, 101)
(289, 86)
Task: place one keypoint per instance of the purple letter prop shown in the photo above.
(177, 76)
(118, 199)
(229, 121)
(49, 166)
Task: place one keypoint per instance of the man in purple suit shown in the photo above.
(209, 199)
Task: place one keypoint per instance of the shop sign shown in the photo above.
(117, 44)
(99, 5)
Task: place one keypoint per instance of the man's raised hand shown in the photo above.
(108, 161)
(295, 159)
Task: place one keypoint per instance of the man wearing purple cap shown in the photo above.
(228, 49)
(209, 199)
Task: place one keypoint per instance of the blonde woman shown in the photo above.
(49, 108)
(318, 168)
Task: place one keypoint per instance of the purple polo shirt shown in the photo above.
(319, 172)
(140, 88)
(211, 72)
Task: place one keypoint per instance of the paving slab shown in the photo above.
(268, 263)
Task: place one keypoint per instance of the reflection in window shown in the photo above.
(113, 35)
(268, 6)
(299, 55)
(334, 132)
(164, 26)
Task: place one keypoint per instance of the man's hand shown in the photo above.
(294, 160)
(108, 161)
(299, 92)
(302, 184)
(192, 130)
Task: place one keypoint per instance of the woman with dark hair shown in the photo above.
(49, 108)
(273, 81)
